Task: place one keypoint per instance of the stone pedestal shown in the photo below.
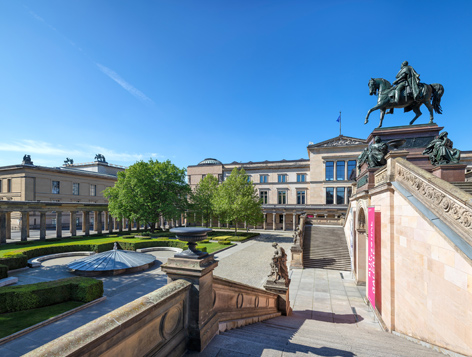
(282, 291)
(450, 172)
(366, 179)
(417, 138)
(203, 322)
(297, 257)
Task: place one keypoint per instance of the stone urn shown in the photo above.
(191, 236)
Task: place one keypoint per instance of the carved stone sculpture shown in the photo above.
(100, 158)
(27, 160)
(374, 154)
(278, 266)
(441, 152)
(68, 161)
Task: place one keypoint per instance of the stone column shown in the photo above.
(3, 228)
(42, 225)
(203, 221)
(73, 225)
(335, 171)
(58, 224)
(110, 224)
(24, 224)
(27, 225)
(8, 218)
(294, 221)
(105, 221)
(95, 221)
(264, 224)
(273, 221)
(83, 221)
(86, 223)
(98, 222)
(202, 319)
(284, 220)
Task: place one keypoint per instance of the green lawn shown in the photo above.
(16, 321)
(17, 248)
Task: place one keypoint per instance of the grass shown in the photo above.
(16, 321)
(17, 249)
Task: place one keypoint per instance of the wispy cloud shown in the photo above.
(128, 87)
(112, 155)
(107, 71)
(37, 147)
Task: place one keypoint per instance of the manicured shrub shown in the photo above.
(203, 249)
(224, 242)
(14, 261)
(128, 236)
(25, 297)
(3, 271)
(205, 241)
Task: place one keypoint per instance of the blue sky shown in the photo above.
(235, 80)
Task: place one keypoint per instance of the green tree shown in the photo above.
(237, 200)
(145, 191)
(202, 198)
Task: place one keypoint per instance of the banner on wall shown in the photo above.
(371, 256)
(351, 243)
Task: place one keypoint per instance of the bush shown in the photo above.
(205, 241)
(128, 236)
(3, 271)
(224, 242)
(203, 249)
(14, 261)
(25, 297)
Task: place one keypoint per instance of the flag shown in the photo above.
(339, 118)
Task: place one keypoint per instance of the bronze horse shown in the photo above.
(430, 95)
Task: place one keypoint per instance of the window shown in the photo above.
(93, 190)
(56, 188)
(189, 179)
(248, 178)
(281, 218)
(263, 178)
(9, 185)
(351, 169)
(349, 193)
(340, 167)
(340, 195)
(0, 185)
(329, 170)
(282, 197)
(264, 196)
(301, 197)
(220, 178)
(282, 178)
(75, 189)
(203, 176)
(301, 177)
(329, 195)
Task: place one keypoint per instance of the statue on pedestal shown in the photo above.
(409, 94)
(374, 154)
(441, 152)
(100, 158)
(278, 266)
(27, 160)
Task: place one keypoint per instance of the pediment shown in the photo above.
(340, 141)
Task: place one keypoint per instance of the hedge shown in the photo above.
(25, 297)
(14, 261)
(3, 271)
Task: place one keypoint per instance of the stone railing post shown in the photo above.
(197, 268)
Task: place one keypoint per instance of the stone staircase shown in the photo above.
(325, 248)
(466, 186)
(292, 336)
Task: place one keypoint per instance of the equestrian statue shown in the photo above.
(408, 93)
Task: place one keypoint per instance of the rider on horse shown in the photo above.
(407, 76)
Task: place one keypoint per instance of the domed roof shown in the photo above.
(210, 161)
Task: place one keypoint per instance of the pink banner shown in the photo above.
(371, 257)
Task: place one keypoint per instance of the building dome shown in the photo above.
(210, 161)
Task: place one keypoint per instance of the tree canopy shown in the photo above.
(145, 191)
(203, 197)
(237, 200)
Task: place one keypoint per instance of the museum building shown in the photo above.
(319, 186)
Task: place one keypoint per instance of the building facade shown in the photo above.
(80, 183)
(319, 186)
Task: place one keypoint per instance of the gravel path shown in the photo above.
(249, 263)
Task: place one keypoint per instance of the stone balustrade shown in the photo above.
(154, 324)
(452, 204)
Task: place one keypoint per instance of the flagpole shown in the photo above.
(339, 123)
